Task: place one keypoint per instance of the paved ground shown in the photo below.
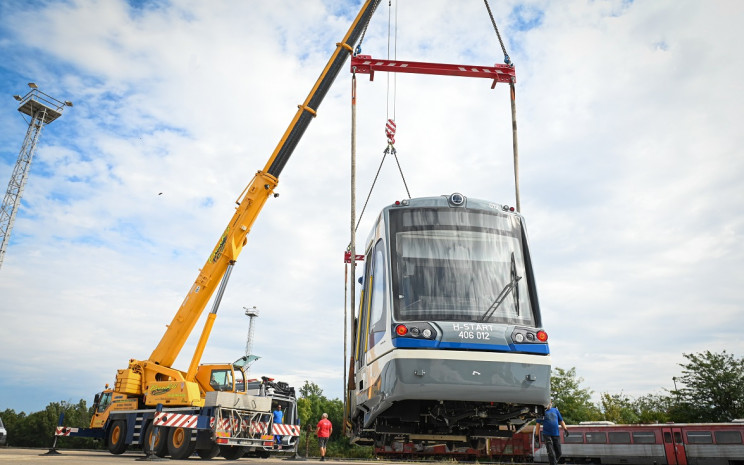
(15, 456)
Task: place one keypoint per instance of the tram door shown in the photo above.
(674, 447)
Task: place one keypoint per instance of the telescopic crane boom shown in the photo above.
(154, 376)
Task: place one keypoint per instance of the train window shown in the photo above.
(668, 438)
(644, 437)
(677, 437)
(364, 297)
(619, 437)
(574, 438)
(596, 438)
(699, 437)
(451, 265)
(377, 324)
(728, 437)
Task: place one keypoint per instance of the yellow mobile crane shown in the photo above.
(171, 412)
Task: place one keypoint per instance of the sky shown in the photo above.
(630, 168)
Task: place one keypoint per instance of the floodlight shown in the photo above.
(17, 97)
(33, 85)
(68, 103)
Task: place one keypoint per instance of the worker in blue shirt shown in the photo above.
(278, 418)
(551, 433)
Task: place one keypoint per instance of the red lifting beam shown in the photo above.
(365, 64)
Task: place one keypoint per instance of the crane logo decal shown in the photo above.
(160, 390)
(217, 253)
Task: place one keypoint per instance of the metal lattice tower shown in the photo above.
(251, 313)
(42, 109)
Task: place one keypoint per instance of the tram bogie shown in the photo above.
(448, 343)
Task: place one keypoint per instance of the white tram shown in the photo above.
(448, 344)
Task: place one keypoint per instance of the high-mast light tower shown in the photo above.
(43, 109)
(251, 313)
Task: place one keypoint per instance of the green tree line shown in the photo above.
(710, 388)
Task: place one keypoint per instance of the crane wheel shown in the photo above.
(207, 454)
(160, 448)
(232, 452)
(116, 438)
(180, 445)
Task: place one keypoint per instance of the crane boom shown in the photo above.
(250, 203)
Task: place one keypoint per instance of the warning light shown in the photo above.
(401, 330)
(542, 336)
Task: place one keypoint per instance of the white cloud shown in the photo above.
(629, 159)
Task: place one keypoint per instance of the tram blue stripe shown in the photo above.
(410, 343)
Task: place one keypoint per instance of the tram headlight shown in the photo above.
(415, 331)
(529, 336)
(456, 199)
(426, 333)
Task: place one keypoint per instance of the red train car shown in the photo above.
(657, 444)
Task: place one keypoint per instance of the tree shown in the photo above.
(713, 388)
(571, 399)
(311, 405)
(37, 429)
(618, 408)
(654, 408)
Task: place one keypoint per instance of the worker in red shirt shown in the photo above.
(324, 430)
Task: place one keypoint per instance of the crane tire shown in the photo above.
(232, 452)
(180, 445)
(161, 446)
(210, 453)
(116, 437)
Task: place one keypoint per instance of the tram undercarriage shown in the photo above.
(451, 421)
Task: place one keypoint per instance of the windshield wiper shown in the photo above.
(510, 286)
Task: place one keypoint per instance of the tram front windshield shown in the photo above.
(459, 265)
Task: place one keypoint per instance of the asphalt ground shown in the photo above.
(16, 456)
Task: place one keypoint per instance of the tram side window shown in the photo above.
(377, 301)
(619, 437)
(699, 437)
(363, 318)
(574, 438)
(596, 438)
(644, 437)
(728, 437)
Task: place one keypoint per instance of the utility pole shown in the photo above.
(43, 109)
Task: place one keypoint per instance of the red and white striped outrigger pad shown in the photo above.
(285, 430)
(64, 431)
(177, 420)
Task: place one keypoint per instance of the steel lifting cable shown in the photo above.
(390, 125)
(513, 101)
(507, 60)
